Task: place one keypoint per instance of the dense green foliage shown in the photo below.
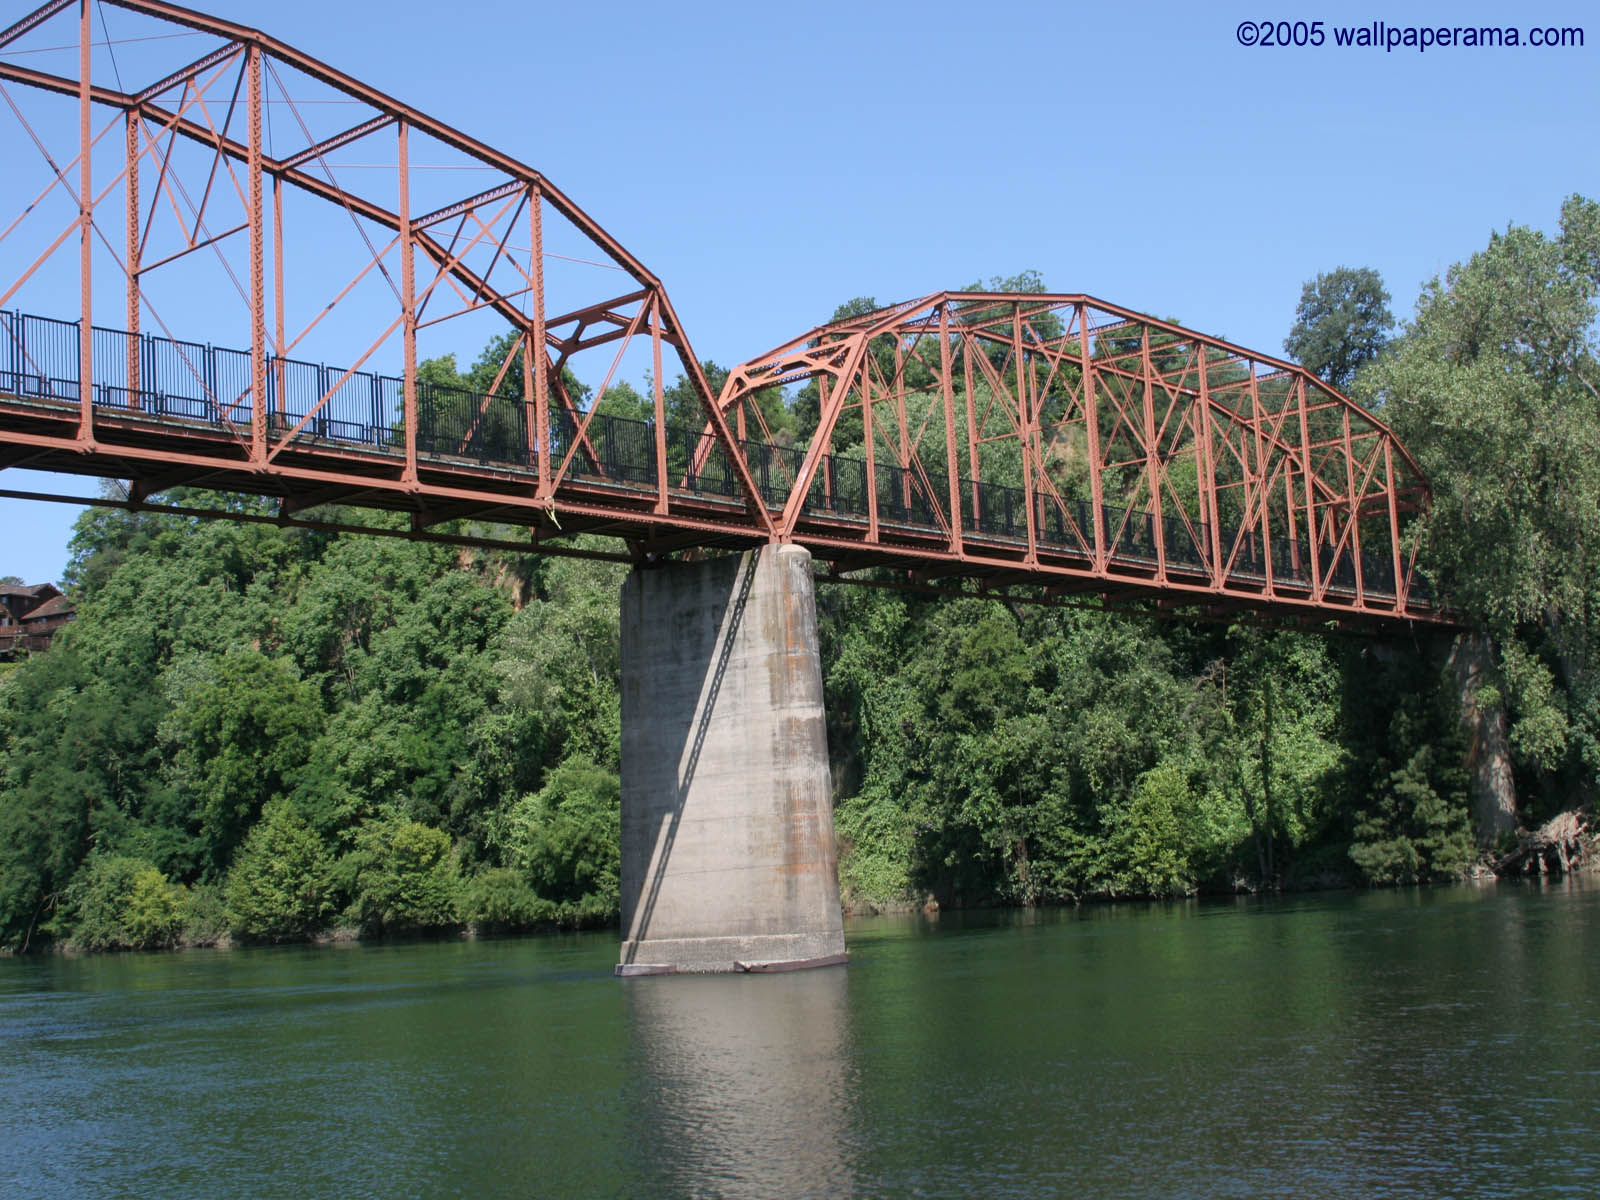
(1027, 755)
(125, 902)
(271, 733)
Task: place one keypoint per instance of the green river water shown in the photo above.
(1417, 1043)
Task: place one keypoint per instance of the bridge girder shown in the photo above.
(1104, 441)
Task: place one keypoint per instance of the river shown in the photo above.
(1411, 1043)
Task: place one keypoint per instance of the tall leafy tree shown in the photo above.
(281, 882)
(1342, 323)
(1494, 385)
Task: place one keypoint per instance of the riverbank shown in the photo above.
(1567, 846)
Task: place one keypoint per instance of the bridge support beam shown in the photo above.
(727, 816)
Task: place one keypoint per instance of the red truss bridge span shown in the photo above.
(196, 219)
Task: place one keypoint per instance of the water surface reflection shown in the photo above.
(740, 1083)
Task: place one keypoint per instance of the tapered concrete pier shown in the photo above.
(727, 815)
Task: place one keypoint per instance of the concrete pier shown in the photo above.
(727, 815)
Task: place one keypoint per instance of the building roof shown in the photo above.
(56, 606)
(27, 589)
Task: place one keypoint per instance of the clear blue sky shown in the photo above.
(769, 161)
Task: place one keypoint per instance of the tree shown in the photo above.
(241, 735)
(1341, 324)
(156, 910)
(280, 886)
(566, 837)
(501, 899)
(125, 903)
(403, 877)
(1279, 692)
(1494, 386)
(560, 661)
(1412, 830)
(79, 763)
(1151, 836)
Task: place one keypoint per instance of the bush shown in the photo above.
(281, 882)
(567, 837)
(403, 877)
(205, 917)
(155, 909)
(120, 902)
(1149, 840)
(500, 900)
(1417, 827)
(594, 911)
(877, 850)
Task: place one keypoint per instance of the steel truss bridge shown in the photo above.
(1043, 445)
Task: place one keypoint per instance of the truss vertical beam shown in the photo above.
(1355, 511)
(1288, 510)
(947, 394)
(1208, 470)
(868, 440)
(277, 288)
(1400, 583)
(1091, 419)
(974, 464)
(903, 459)
(408, 300)
(131, 250)
(536, 354)
(1260, 492)
(659, 396)
(1152, 452)
(258, 302)
(1313, 539)
(1026, 429)
(827, 462)
(85, 234)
